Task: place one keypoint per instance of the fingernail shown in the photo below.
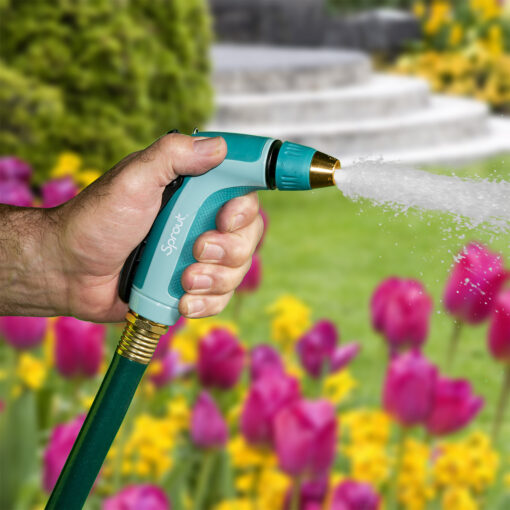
(195, 306)
(201, 282)
(236, 222)
(207, 146)
(212, 252)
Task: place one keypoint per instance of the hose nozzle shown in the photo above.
(322, 170)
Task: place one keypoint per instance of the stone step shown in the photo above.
(495, 141)
(251, 68)
(447, 119)
(382, 95)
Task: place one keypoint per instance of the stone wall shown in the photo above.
(309, 23)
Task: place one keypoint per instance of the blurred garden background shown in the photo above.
(364, 362)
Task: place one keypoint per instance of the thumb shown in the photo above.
(176, 154)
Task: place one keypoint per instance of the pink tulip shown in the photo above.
(474, 283)
(409, 388)
(401, 312)
(264, 358)
(343, 355)
(58, 191)
(305, 434)
(353, 495)
(267, 396)
(23, 332)
(265, 220)
(58, 448)
(453, 407)
(14, 169)
(252, 278)
(208, 428)
(220, 359)
(171, 368)
(316, 347)
(79, 347)
(312, 494)
(138, 497)
(165, 340)
(499, 330)
(15, 193)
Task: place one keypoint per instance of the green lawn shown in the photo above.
(331, 253)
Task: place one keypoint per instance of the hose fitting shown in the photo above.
(140, 338)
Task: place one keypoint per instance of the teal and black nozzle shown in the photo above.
(151, 281)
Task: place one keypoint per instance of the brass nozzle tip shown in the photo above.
(322, 170)
(140, 338)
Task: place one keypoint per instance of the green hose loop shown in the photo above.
(97, 434)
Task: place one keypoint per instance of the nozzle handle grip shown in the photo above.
(191, 211)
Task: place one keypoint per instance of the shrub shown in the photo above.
(101, 77)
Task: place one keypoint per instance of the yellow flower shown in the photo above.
(68, 163)
(440, 12)
(272, 489)
(86, 401)
(244, 455)
(456, 34)
(235, 504)
(486, 9)
(87, 176)
(148, 450)
(366, 426)
(471, 463)
(458, 498)
(49, 343)
(178, 412)
(414, 487)
(31, 371)
(339, 386)
(369, 463)
(291, 318)
(419, 9)
(495, 43)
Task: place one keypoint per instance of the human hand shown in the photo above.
(98, 229)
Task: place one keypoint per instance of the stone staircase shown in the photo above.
(331, 100)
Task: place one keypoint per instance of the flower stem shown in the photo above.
(402, 436)
(237, 306)
(502, 404)
(453, 346)
(295, 498)
(204, 477)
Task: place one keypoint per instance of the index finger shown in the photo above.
(238, 213)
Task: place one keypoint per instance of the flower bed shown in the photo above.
(465, 50)
(220, 423)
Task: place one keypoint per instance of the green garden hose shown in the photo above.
(135, 349)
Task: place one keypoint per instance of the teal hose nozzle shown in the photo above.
(150, 281)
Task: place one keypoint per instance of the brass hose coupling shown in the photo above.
(140, 338)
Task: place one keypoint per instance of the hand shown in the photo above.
(99, 228)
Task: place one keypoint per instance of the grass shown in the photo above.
(332, 253)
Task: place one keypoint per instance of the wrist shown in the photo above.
(32, 279)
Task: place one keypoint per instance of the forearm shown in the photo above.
(31, 279)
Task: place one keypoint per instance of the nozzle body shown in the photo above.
(252, 163)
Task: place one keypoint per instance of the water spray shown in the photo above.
(150, 281)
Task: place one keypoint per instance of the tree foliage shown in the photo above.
(100, 77)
